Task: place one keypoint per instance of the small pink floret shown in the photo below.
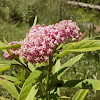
(15, 52)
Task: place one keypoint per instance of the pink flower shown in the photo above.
(69, 29)
(40, 42)
(15, 52)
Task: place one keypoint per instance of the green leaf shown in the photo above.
(80, 94)
(34, 24)
(16, 75)
(68, 64)
(2, 45)
(60, 46)
(63, 97)
(82, 46)
(32, 93)
(10, 87)
(2, 98)
(54, 96)
(89, 84)
(11, 78)
(11, 46)
(31, 67)
(40, 64)
(65, 83)
(82, 84)
(61, 54)
(56, 67)
(27, 87)
(72, 61)
(94, 38)
(6, 64)
(21, 59)
(4, 67)
(5, 41)
(22, 76)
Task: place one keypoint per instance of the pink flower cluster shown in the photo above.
(39, 43)
(15, 52)
(69, 28)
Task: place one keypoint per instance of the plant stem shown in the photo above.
(47, 89)
(17, 59)
(43, 86)
(48, 79)
(26, 67)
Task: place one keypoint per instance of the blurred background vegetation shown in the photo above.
(17, 16)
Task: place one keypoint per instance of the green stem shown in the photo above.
(43, 86)
(24, 66)
(47, 89)
(48, 79)
(17, 59)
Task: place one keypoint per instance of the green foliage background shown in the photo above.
(17, 16)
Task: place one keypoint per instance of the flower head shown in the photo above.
(40, 42)
(15, 52)
(69, 29)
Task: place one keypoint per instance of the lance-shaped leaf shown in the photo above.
(60, 46)
(10, 87)
(34, 24)
(32, 93)
(11, 46)
(54, 96)
(83, 84)
(10, 78)
(31, 67)
(80, 94)
(2, 45)
(4, 67)
(5, 41)
(28, 85)
(89, 84)
(94, 38)
(68, 64)
(61, 54)
(63, 83)
(82, 46)
(64, 97)
(6, 64)
(2, 98)
(22, 75)
(56, 67)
